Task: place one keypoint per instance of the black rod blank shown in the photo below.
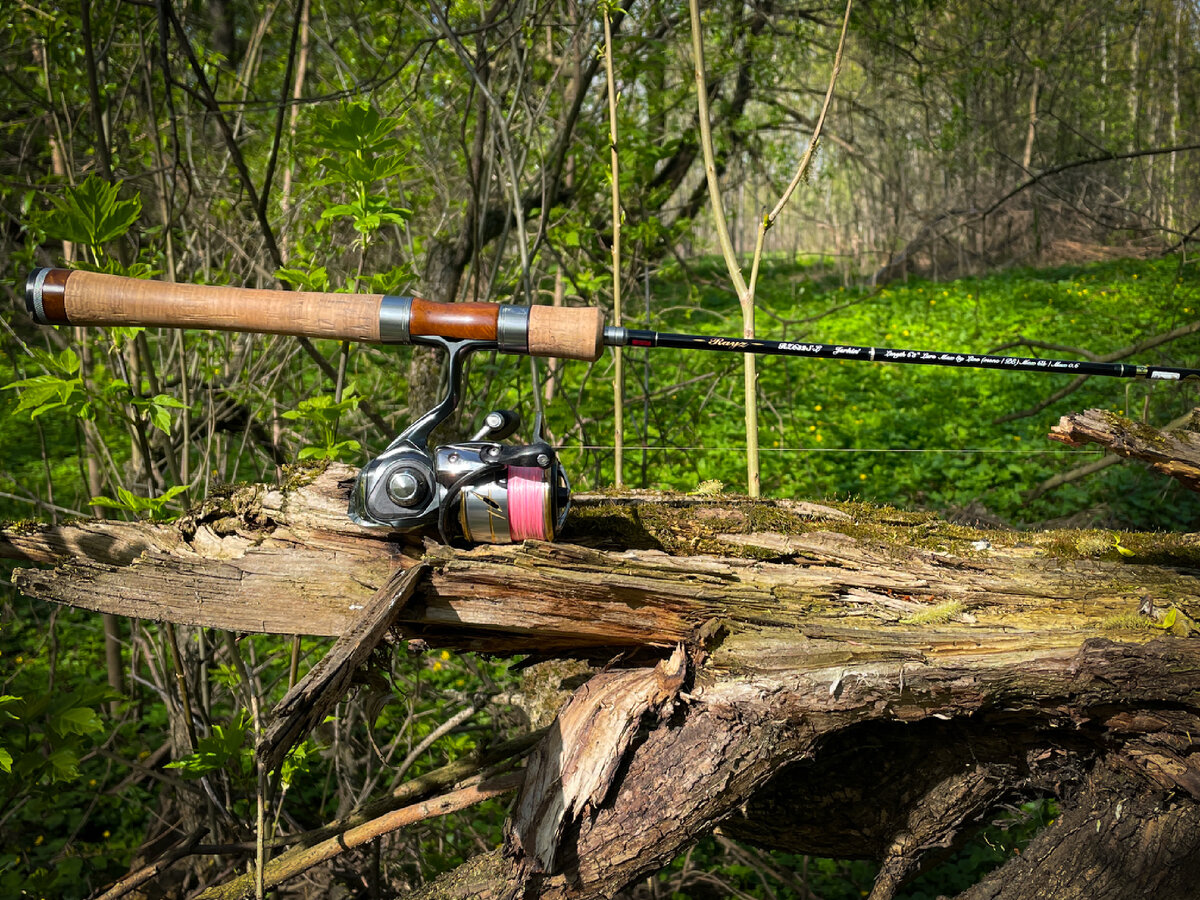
(631, 337)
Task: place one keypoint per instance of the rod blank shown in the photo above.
(629, 337)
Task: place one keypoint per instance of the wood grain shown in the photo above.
(1175, 454)
(457, 321)
(291, 561)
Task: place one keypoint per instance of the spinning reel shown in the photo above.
(497, 492)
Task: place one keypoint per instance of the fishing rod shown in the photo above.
(497, 492)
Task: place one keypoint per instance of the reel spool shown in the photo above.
(498, 503)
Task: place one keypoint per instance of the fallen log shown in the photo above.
(1172, 453)
(841, 680)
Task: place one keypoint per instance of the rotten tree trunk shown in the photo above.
(846, 681)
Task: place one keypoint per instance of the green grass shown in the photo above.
(901, 434)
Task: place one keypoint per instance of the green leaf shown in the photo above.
(80, 720)
(215, 751)
(132, 503)
(43, 393)
(313, 279)
(160, 419)
(64, 764)
(5, 761)
(297, 761)
(91, 213)
(68, 361)
(67, 870)
(157, 408)
(356, 127)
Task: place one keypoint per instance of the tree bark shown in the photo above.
(838, 680)
(1176, 454)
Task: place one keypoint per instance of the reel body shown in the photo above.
(496, 492)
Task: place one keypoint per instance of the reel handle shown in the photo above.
(75, 297)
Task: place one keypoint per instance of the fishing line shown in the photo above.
(964, 450)
(528, 503)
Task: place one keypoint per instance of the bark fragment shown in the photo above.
(572, 771)
(1173, 453)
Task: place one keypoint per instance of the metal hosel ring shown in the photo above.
(616, 336)
(395, 319)
(512, 329)
(33, 295)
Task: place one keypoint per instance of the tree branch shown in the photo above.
(293, 863)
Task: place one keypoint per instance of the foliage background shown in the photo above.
(988, 175)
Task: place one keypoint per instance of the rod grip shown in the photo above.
(456, 321)
(74, 297)
(566, 332)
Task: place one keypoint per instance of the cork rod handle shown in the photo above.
(72, 297)
(566, 332)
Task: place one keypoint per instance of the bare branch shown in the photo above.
(295, 862)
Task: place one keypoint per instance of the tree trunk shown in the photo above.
(838, 680)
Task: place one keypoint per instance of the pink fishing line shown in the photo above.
(527, 498)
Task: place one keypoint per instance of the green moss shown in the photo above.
(22, 526)
(1128, 622)
(546, 686)
(767, 516)
(1173, 621)
(610, 524)
(1088, 544)
(298, 475)
(1179, 623)
(937, 615)
(1158, 548)
(1139, 430)
(678, 524)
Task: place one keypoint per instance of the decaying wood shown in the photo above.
(572, 770)
(267, 560)
(858, 682)
(1098, 465)
(1173, 453)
